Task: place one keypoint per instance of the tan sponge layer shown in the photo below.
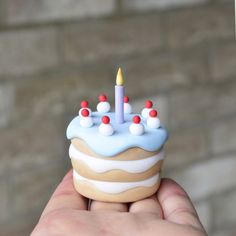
(127, 155)
(135, 194)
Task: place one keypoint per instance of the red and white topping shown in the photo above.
(136, 128)
(148, 104)
(85, 104)
(153, 121)
(127, 106)
(85, 120)
(103, 106)
(147, 109)
(105, 128)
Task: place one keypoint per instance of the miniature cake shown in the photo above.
(116, 156)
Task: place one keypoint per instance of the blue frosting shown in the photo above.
(122, 139)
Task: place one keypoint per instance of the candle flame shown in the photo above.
(119, 77)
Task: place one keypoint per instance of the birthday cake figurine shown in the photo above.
(116, 156)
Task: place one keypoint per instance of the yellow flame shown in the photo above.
(119, 77)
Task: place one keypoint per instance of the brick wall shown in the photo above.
(55, 53)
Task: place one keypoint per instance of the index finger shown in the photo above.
(66, 197)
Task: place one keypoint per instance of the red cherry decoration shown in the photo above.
(84, 104)
(102, 98)
(153, 113)
(148, 104)
(105, 120)
(136, 119)
(126, 99)
(85, 112)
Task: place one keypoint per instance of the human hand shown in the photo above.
(169, 212)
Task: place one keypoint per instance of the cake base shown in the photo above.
(88, 190)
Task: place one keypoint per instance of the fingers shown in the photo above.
(108, 206)
(148, 205)
(176, 205)
(65, 196)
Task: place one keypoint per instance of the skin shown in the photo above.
(169, 212)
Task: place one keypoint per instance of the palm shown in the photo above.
(168, 213)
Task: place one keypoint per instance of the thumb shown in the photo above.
(176, 205)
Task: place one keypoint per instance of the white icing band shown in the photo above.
(100, 165)
(117, 187)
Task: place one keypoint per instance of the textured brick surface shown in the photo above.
(223, 136)
(54, 95)
(191, 106)
(186, 146)
(183, 59)
(108, 39)
(225, 209)
(19, 226)
(202, 103)
(4, 200)
(27, 11)
(207, 178)
(224, 98)
(223, 61)
(34, 188)
(33, 145)
(162, 4)
(162, 71)
(230, 231)
(6, 104)
(205, 214)
(27, 51)
(187, 28)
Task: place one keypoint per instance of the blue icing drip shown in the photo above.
(122, 139)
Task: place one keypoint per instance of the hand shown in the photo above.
(167, 213)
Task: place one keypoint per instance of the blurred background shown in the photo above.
(180, 53)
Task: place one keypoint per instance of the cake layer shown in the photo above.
(152, 140)
(134, 153)
(114, 175)
(113, 170)
(117, 187)
(90, 191)
(102, 165)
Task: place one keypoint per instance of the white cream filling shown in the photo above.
(117, 187)
(101, 165)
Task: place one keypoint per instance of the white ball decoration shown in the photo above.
(153, 122)
(127, 108)
(103, 107)
(106, 129)
(147, 109)
(136, 128)
(86, 122)
(145, 112)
